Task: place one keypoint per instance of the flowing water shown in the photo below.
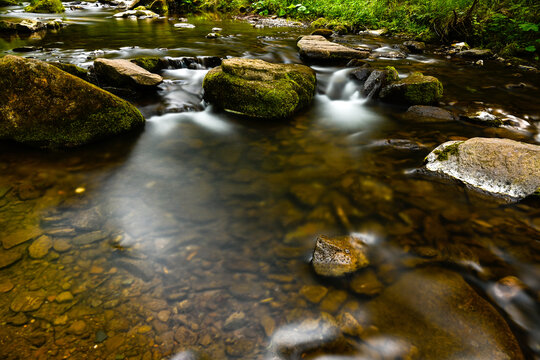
(196, 233)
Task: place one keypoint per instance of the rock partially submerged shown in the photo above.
(436, 311)
(47, 107)
(475, 54)
(120, 72)
(317, 49)
(338, 256)
(500, 166)
(415, 46)
(258, 89)
(28, 26)
(425, 113)
(140, 14)
(45, 6)
(416, 89)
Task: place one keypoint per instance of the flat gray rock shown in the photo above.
(317, 48)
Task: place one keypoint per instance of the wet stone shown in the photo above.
(6, 286)
(139, 268)
(185, 337)
(366, 283)
(235, 321)
(28, 301)
(60, 320)
(9, 257)
(77, 328)
(164, 315)
(239, 347)
(40, 247)
(87, 220)
(313, 293)
(349, 325)
(20, 236)
(333, 301)
(101, 336)
(339, 255)
(64, 297)
(89, 238)
(18, 320)
(268, 324)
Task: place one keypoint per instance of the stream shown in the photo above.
(195, 235)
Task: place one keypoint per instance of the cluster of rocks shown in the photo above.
(28, 26)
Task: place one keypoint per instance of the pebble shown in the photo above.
(61, 245)
(333, 301)
(64, 297)
(144, 329)
(268, 325)
(366, 283)
(6, 286)
(40, 247)
(235, 321)
(28, 301)
(78, 327)
(60, 320)
(164, 315)
(313, 293)
(20, 236)
(9, 257)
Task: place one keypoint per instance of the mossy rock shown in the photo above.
(322, 32)
(153, 64)
(72, 69)
(45, 6)
(258, 89)
(46, 107)
(8, 2)
(319, 23)
(416, 89)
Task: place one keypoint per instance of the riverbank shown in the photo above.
(508, 27)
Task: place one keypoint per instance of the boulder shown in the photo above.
(144, 14)
(338, 256)
(499, 166)
(25, 26)
(378, 79)
(425, 113)
(317, 49)
(416, 89)
(72, 69)
(437, 312)
(475, 54)
(124, 73)
(45, 6)
(47, 107)
(258, 89)
(415, 46)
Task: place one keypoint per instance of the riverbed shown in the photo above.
(195, 234)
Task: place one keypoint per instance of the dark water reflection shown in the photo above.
(196, 234)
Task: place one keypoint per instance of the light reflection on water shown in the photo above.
(209, 222)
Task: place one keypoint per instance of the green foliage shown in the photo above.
(45, 6)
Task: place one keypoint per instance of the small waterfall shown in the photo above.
(341, 86)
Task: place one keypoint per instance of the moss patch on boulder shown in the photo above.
(258, 89)
(47, 107)
(45, 6)
(416, 89)
(152, 64)
(72, 69)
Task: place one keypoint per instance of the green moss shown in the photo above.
(72, 69)
(453, 149)
(46, 107)
(323, 32)
(45, 6)
(8, 2)
(152, 64)
(257, 93)
(391, 74)
(140, 8)
(319, 23)
(416, 89)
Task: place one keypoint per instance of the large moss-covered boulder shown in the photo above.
(45, 6)
(316, 48)
(416, 89)
(44, 106)
(500, 166)
(442, 317)
(258, 89)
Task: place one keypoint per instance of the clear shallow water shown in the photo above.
(196, 233)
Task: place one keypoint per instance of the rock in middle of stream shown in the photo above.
(258, 89)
